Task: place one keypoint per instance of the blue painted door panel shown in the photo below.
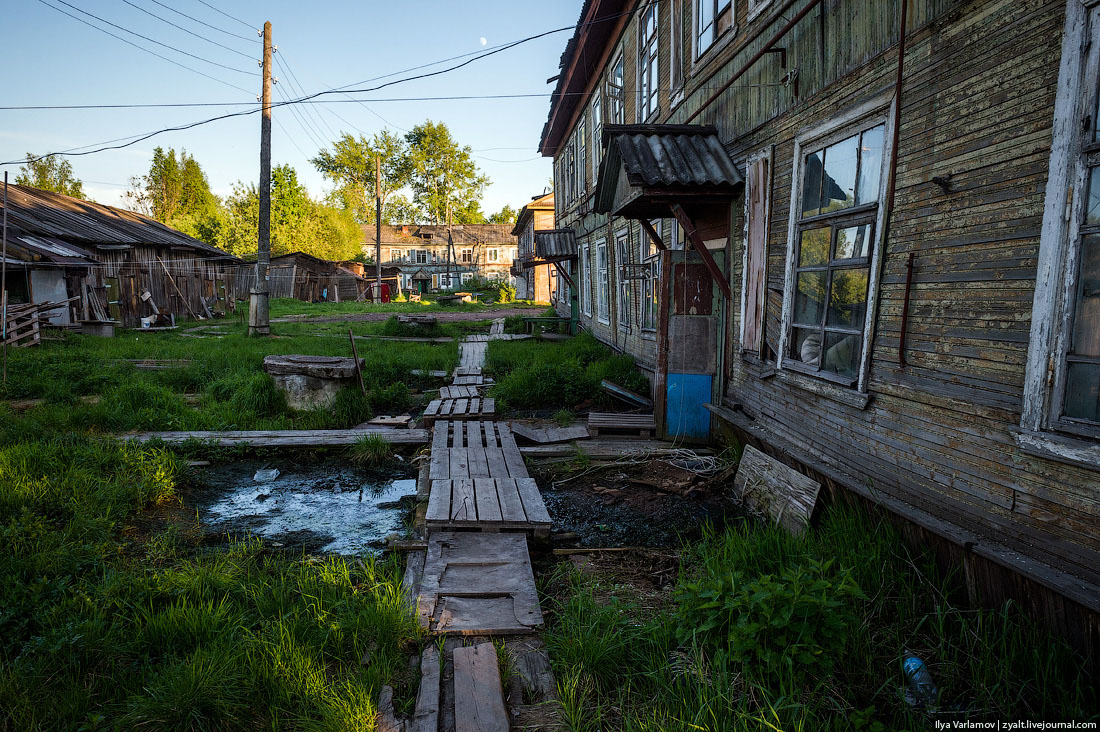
(685, 415)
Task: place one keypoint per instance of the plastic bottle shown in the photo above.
(922, 691)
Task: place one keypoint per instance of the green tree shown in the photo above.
(50, 173)
(351, 165)
(445, 180)
(506, 215)
(177, 193)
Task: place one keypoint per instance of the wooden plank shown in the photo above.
(463, 500)
(433, 408)
(462, 407)
(479, 700)
(489, 406)
(533, 505)
(425, 716)
(607, 449)
(473, 434)
(516, 467)
(488, 505)
(439, 501)
(459, 432)
(458, 462)
(490, 434)
(549, 434)
(439, 465)
(626, 395)
(286, 438)
(440, 433)
(498, 466)
(768, 485)
(477, 461)
(511, 504)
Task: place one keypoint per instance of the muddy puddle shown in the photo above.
(326, 507)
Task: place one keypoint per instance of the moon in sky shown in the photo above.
(483, 40)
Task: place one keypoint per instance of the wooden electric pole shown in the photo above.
(378, 227)
(258, 313)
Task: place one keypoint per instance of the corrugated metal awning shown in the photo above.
(646, 166)
(555, 244)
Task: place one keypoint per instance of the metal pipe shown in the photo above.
(4, 282)
(759, 54)
(892, 182)
(905, 311)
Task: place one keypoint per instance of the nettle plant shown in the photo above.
(783, 625)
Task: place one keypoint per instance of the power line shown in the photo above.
(286, 62)
(297, 91)
(247, 25)
(307, 127)
(143, 48)
(185, 30)
(153, 40)
(289, 137)
(200, 22)
(300, 100)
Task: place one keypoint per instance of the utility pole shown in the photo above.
(258, 313)
(378, 226)
(4, 282)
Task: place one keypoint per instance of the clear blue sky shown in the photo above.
(53, 59)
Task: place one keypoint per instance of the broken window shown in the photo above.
(831, 254)
(648, 85)
(712, 19)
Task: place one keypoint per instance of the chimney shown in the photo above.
(404, 228)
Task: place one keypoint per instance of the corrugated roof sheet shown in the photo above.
(555, 243)
(673, 155)
(86, 223)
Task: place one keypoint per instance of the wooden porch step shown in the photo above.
(621, 425)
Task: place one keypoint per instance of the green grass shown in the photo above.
(103, 628)
(533, 374)
(770, 631)
(371, 451)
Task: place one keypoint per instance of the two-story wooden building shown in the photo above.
(866, 234)
(535, 278)
(437, 257)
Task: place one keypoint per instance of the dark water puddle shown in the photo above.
(325, 507)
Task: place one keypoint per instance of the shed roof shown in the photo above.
(87, 224)
(555, 244)
(662, 159)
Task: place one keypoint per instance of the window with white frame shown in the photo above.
(570, 170)
(466, 277)
(421, 256)
(597, 130)
(625, 272)
(712, 19)
(830, 251)
(616, 111)
(445, 281)
(582, 146)
(757, 6)
(466, 256)
(652, 276)
(494, 255)
(603, 285)
(1062, 385)
(648, 81)
(395, 255)
(585, 294)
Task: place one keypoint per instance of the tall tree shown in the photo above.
(50, 173)
(506, 215)
(351, 165)
(445, 181)
(176, 192)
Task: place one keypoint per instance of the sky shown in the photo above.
(56, 60)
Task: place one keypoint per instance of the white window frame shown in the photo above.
(493, 255)
(597, 129)
(1042, 430)
(876, 111)
(651, 256)
(649, 48)
(603, 283)
(616, 93)
(466, 277)
(623, 271)
(716, 40)
(395, 255)
(765, 154)
(421, 256)
(584, 263)
(582, 147)
(756, 7)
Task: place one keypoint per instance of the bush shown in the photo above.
(371, 451)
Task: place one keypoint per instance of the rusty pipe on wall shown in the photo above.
(759, 54)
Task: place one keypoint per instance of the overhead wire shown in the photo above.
(203, 23)
(219, 10)
(186, 30)
(143, 48)
(297, 91)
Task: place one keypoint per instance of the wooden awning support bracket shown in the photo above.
(696, 241)
(653, 235)
(564, 274)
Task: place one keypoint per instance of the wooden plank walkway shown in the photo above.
(460, 409)
(479, 698)
(287, 438)
(478, 584)
(459, 392)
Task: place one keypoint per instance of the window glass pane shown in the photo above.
(841, 354)
(870, 164)
(1083, 391)
(706, 22)
(806, 346)
(809, 297)
(853, 242)
(813, 248)
(848, 298)
(1092, 213)
(811, 184)
(838, 188)
(1086, 317)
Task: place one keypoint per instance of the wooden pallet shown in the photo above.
(471, 354)
(460, 409)
(621, 425)
(459, 392)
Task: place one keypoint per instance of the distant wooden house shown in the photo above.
(432, 257)
(304, 277)
(536, 279)
(864, 234)
(121, 265)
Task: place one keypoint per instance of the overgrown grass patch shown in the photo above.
(771, 631)
(532, 374)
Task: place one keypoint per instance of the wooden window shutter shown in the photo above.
(756, 259)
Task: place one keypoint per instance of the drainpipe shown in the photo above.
(891, 184)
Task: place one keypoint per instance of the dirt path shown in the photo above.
(443, 316)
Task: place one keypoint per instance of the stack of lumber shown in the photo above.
(22, 327)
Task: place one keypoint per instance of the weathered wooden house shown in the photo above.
(433, 257)
(536, 279)
(863, 234)
(63, 247)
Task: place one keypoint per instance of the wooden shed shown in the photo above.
(122, 265)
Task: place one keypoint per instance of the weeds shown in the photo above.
(564, 417)
(370, 451)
